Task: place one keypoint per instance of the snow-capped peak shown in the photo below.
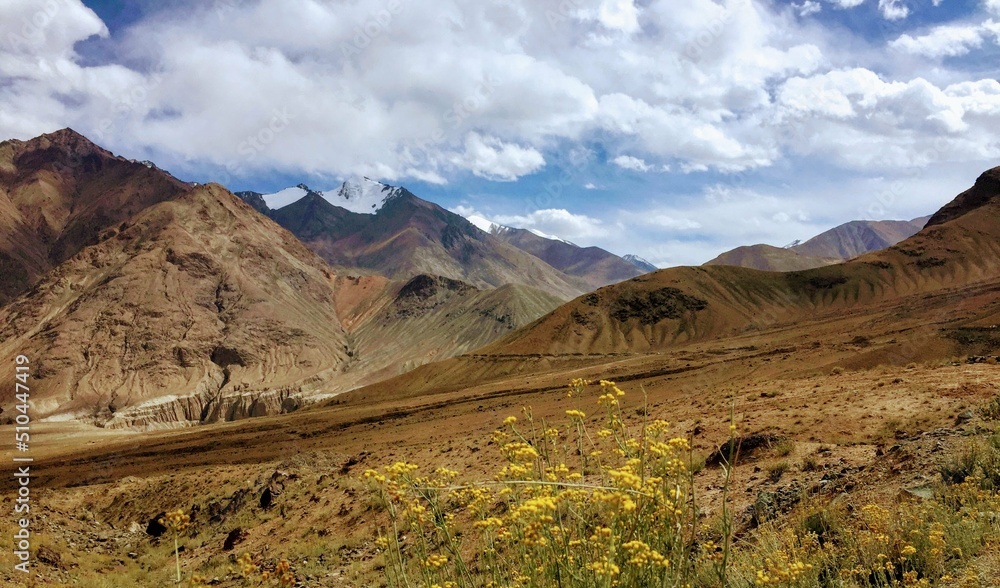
(551, 237)
(363, 195)
(360, 195)
(285, 197)
(640, 262)
(484, 224)
(487, 226)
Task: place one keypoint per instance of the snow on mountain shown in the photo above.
(285, 197)
(363, 195)
(487, 226)
(640, 263)
(360, 195)
(483, 224)
(552, 237)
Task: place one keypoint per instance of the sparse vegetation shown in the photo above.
(810, 464)
(991, 410)
(784, 447)
(616, 507)
(571, 507)
(778, 470)
(979, 460)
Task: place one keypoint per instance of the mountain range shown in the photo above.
(369, 226)
(931, 295)
(840, 243)
(148, 302)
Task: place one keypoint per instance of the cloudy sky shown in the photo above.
(667, 128)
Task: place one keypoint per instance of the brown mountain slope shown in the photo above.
(57, 192)
(771, 258)
(397, 326)
(856, 238)
(843, 242)
(197, 309)
(942, 282)
(409, 236)
(686, 304)
(983, 192)
(595, 266)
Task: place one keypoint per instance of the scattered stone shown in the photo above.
(352, 461)
(770, 505)
(921, 492)
(48, 556)
(964, 417)
(218, 513)
(275, 486)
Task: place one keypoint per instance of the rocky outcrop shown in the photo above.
(205, 407)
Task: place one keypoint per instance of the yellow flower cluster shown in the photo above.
(435, 561)
(577, 386)
(176, 521)
(614, 507)
(642, 555)
(247, 566)
(520, 452)
(781, 572)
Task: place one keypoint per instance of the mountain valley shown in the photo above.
(400, 332)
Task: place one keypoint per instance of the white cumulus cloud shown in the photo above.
(559, 222)
(491, 158)
(631, 163)
(943, 41)
(894, 9)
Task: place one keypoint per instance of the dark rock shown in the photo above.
(218, 513)
(266, 498)
(652, 307)
(154, 528)
(742, 447)
(235, 537)
(48, 556)
(770, 505)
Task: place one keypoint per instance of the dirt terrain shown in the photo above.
(874, 431)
